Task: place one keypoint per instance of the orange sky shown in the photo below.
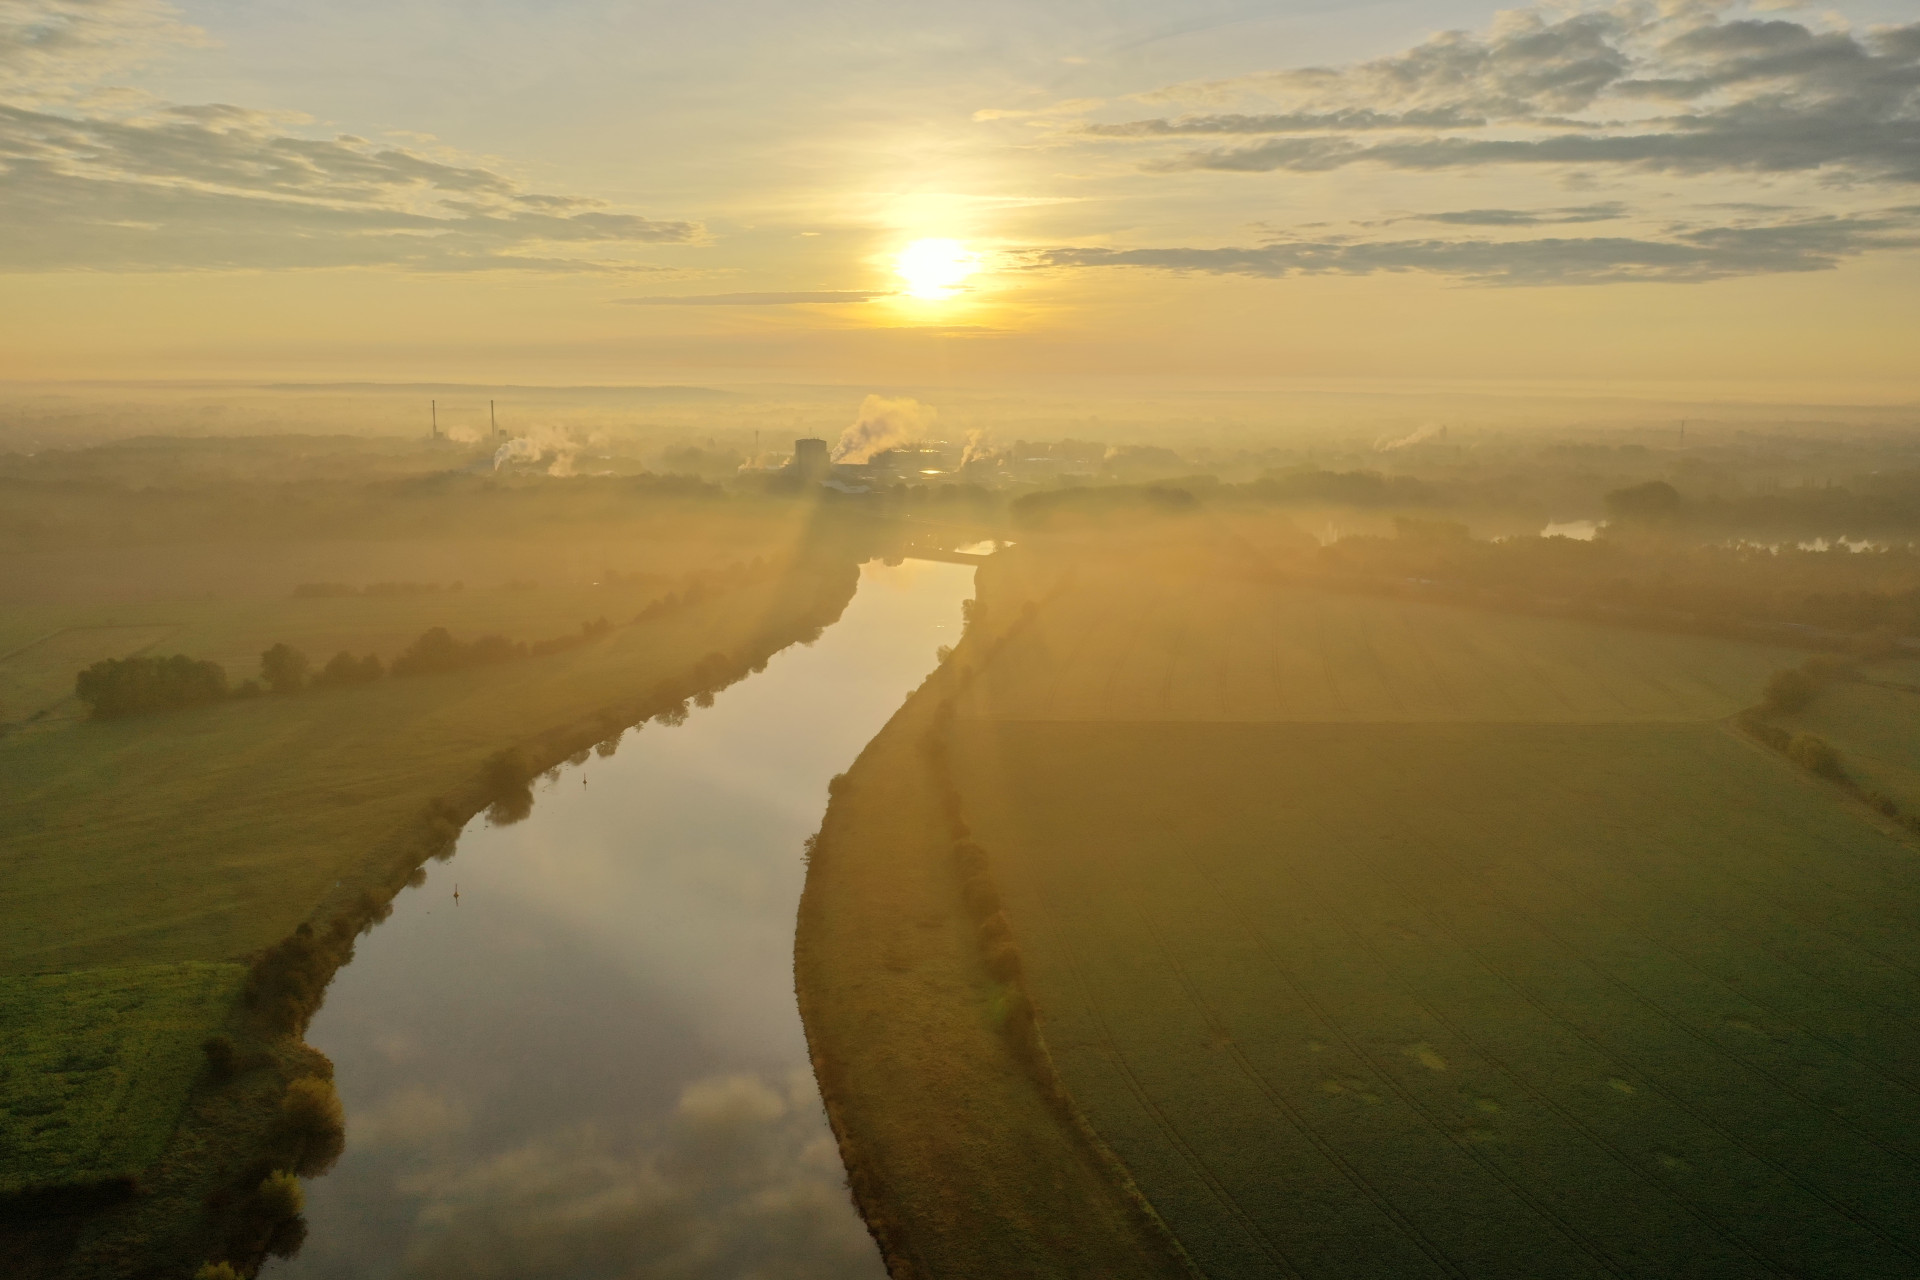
(1696, 196)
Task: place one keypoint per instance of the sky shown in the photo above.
(1108, 193)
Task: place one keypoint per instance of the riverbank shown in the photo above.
(963, 1155)
(313, 813)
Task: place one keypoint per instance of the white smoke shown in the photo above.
(551, 445)
(979, 447)
(881, 424)
(1429, 431)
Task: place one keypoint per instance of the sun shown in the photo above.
(934, 269)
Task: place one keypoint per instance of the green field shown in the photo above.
(1119, 647)
(250, 811)
(1399, 1000)
(94, 1066)
(148, 860)
(1385, 939)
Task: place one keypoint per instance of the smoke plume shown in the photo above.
(543, 444)
(1429, 431)
(881, 424)
(979, 448)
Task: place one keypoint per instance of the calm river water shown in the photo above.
(591, 1065)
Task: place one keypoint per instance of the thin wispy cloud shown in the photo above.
(1608, 211)
(94, 182)
(57, 49)
(1685, 256)
(756, 299)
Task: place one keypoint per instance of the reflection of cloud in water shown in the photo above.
(743, 1182)
(411, 1116)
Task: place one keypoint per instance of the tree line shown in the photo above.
(117, 687)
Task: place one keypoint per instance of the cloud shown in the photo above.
(1348, 119)
(756, 299)
(1607, 211)
(745, 1181)
(222, 187)
(58, 48)
(108, 179)
(1680, 89)
(1816, 243)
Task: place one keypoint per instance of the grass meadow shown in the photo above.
(95, 1066)
(147, 859)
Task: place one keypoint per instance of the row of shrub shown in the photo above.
(135, 686)
(1792, 689)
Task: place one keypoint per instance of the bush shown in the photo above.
(1816, 755)
(1654, 500)
(313, 1118)
(437, 651)
(283, 669)
(1788, 690)
(507, 771)
(1003, 962)
(311, 1106)
(133, 686)
(217, 1271)
(279, 1196)
(289, 978)
(508, 776)
(344, 669)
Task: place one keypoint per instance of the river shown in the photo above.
(590, 1065)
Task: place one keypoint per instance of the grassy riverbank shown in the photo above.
(199, 873)
(961, 1162)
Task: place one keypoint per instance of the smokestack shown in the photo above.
(433, 407)
(491, 421)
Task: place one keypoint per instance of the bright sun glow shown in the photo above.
(933, 269)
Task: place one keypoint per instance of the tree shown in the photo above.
(132, 686)
(283, 669)
(1789, 690)
(1816, 755)
(280, 1196)
(1654, 500)
(345, 669)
